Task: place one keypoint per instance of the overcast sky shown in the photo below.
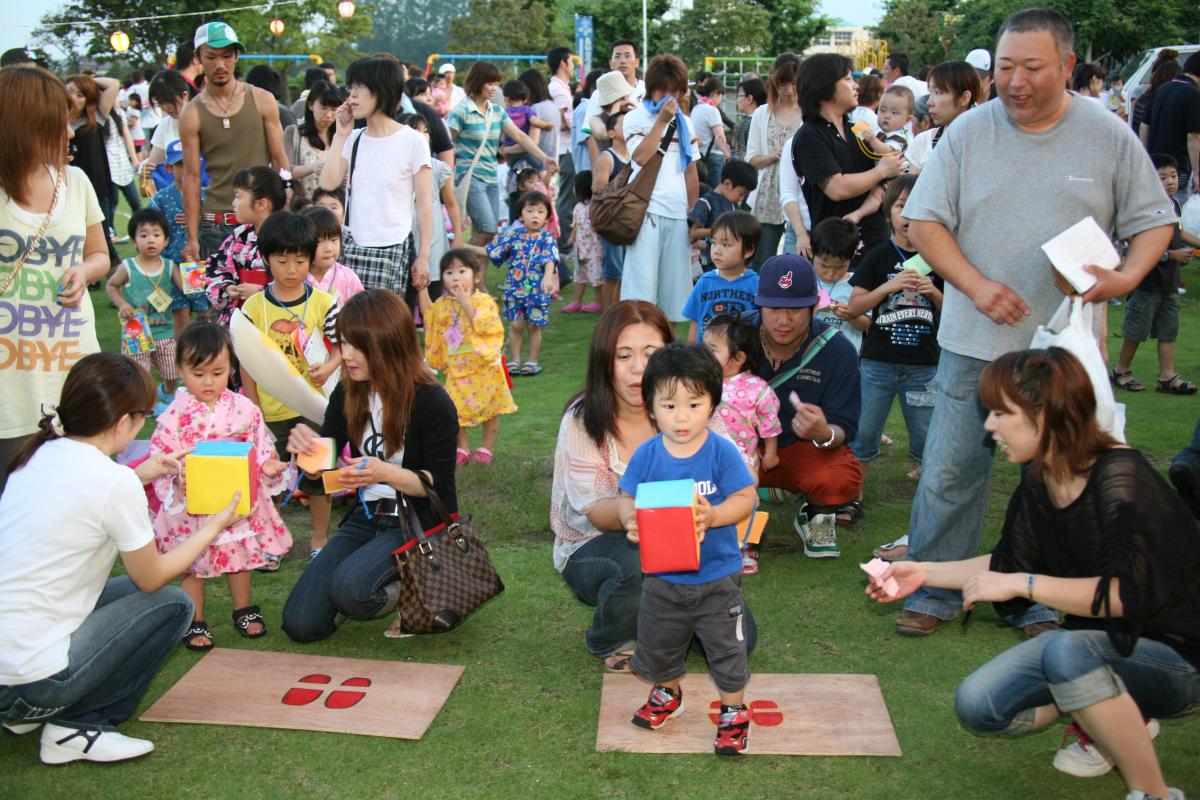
(20, 16)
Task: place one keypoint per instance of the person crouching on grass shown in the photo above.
(682, 387)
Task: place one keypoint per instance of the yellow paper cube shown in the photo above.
(215, 470)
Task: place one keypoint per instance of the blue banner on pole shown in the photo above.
(584, 41)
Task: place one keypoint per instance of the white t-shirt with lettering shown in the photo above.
(381, 189)
(63, 519)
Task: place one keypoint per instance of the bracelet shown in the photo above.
(823, 445)
(1029, 586)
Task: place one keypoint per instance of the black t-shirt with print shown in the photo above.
(904, 326)
(818, 153)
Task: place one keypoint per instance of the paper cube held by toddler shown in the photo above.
(666, 519)
(215, 470)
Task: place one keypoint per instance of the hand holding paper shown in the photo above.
(876, 568)
(1080, 245)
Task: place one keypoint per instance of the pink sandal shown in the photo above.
(462, 457)
(482, 456)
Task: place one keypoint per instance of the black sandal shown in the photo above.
(1123, 379)
(243, 618)
(199, 628)
(850, 513)
(1175, 385)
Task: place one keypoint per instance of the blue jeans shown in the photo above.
(956, 470)
(882, 381)
(483, 205)
(606, 573)
(768, 243)
(614, 259)
(113, 656)
(715, 162)
(349, 577)
(1074, 670)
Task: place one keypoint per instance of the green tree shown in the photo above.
(794, 24)
(413, 29)
(924, 30)
(705, 30)
(312, 26)
(613, 20)
(502, 26)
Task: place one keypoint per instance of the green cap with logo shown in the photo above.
(217, 35)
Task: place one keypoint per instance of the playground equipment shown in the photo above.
(532, 59)
(270, 58)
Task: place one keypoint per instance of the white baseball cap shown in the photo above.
(444, 68)
(980, 59)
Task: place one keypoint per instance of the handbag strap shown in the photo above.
(487, 125)
(350, 177)
(36, 241)
(810, 353)
(435, 501)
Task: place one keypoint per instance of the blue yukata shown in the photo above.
(528, 255)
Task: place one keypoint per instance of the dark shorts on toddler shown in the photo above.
(671, 613)
(1151, 315)
(196, 302)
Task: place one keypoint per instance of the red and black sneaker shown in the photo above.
(733, 731)
(660, 707)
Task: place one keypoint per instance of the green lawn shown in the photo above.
(522, 722)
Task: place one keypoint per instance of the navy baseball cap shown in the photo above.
(786, 281)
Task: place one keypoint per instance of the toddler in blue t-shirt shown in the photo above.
(682, 387)
(731, 287)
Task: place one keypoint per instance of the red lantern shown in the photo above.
(277, 26)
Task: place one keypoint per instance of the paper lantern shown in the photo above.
(277, 26)
(119, 41)
(345, 9)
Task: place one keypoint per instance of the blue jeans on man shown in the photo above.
(952, 496)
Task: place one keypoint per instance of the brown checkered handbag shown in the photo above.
(445, 572)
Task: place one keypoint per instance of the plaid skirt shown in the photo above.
(380, 267)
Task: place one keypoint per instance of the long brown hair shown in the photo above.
(1053, 389)
(377, 323)
(90, 90)
(596, 403)
(99, 390)
(783, 72)
(34, 110)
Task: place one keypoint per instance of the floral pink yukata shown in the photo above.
(246, 544)
(750, 410)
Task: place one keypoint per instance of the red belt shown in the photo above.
(228, 218)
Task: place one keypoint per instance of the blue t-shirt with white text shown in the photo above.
(713, 295)
(719, 470)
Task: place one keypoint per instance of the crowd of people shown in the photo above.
(847, 241)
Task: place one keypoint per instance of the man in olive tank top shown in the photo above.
(233, 126)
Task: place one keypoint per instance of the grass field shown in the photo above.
(522, 722)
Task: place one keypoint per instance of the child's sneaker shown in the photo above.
(660, 707)
(733, 731)
(819, 534)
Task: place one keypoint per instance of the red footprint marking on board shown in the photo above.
(302, 697)
(343, 699)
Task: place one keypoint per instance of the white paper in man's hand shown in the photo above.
(1085, 242)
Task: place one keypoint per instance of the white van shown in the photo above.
(1136, 71)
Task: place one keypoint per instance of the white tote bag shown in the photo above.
(1071, 328)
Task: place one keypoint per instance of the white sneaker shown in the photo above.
(22, 728)
(1083, 760)
(63, 745)
(819, 534)
(1176, 794)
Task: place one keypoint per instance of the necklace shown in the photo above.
(776, 363)
(225, 106)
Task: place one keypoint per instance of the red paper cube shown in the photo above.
(667, 536)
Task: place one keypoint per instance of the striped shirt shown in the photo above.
(475, 131)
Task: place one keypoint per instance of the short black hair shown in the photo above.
(679, 363)
(312, 75)
(740, 174)
(583, 185)
(324, 220)
(284, 233)
(533, 198)
(1192, 65)
(754, 88)
(382, 78)
(148, 216)
(185, 54)
(899, 62)
(527, 173)
(515, 90)
(267, 78)
(415, 86)
(1164, 161)
(338, 194)
(1042, 19)
(463, 254)
(556, 56)
(741, 336)
(17, 55)
(817, 79)
(263, 183)
(201, 342)
(835, 237)
(741, 225)
(168, 86)
(623, 42)
(900, 185)
(610, 120)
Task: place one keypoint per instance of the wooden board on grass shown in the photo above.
(312, 693)
(796, 715)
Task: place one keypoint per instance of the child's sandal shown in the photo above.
(461, 457)
(243, 618)
(1123, 379)
(199, 628)
(1175, 385)
(482, 456)
(273, 563)
(531, 368)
